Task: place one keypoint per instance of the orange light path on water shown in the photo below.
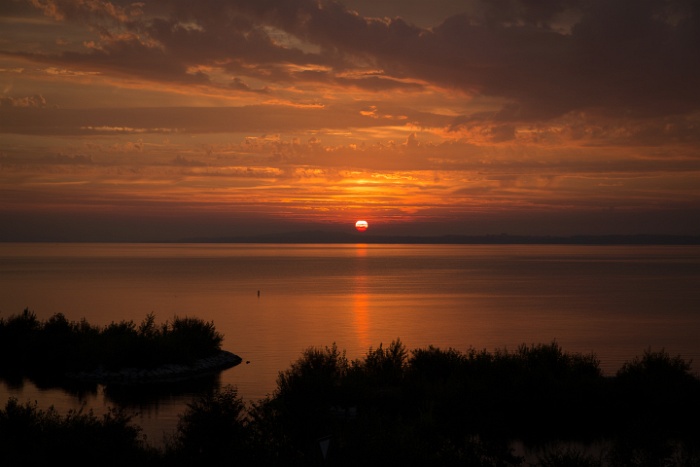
(360, 302)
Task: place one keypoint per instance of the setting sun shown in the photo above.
(361, 225)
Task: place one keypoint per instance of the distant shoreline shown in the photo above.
(326, 237)
(502, 239)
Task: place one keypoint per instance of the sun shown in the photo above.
(361, 225)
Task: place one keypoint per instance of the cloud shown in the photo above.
(627, 57)
(240, 85)
(89, 10)
(255, 119)
(36, 100)
(57, 159)
(544, 58)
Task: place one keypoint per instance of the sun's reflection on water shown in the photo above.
(360, 299)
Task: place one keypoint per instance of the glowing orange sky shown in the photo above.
(168, 119)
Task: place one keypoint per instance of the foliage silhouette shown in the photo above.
(211, 430)
(31, 436)
(47, 351)
(428, 406)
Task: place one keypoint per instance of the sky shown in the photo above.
(161, 120)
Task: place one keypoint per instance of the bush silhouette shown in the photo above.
(427, 406)
(31, 436)
(47, 351)
(657, 396)
(212, 430)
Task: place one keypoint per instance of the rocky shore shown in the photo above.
(161, 374)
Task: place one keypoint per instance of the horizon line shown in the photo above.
(330, 237)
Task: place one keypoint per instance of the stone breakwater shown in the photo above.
(162, 374)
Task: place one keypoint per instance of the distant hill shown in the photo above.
(318, 236)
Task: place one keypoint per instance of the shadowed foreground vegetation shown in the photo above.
(47, 351)
(427, 407)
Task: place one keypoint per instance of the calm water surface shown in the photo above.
(614, 301)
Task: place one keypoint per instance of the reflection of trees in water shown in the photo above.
(141, 395)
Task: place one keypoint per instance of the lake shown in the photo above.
(613, 301)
